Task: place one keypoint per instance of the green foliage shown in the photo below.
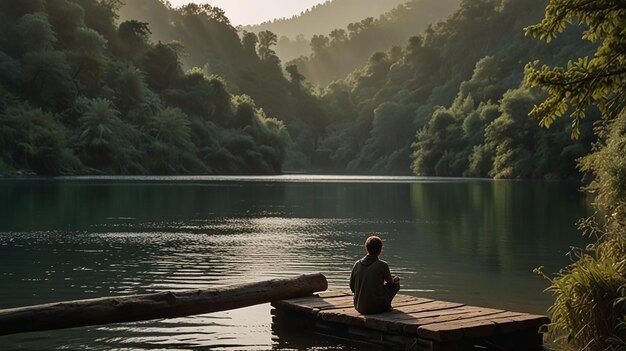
(102, 136)
(33, 139)
(73, 82)
(88, 59)
(129, 86)
(36, 32)
(132, 39)
(511, 136)
(267, 39)
(589, 311)
(480, 162)
(599, 80)
(161, 65)
(172, 150)
(609, 166)
(48, 78)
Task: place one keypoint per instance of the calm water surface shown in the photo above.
(471, 241)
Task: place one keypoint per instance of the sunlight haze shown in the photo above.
(244, 12)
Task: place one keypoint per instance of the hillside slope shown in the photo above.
(323, 18)
(337, 54)
(451, 103)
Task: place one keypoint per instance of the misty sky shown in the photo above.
(255, 11)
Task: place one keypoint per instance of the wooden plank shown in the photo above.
(459, 331)
(526, 321)
(389, 321)
(410, 326)
(345, 301)
(461, 317)
(331, 294)
(314, 305)
(432, 305)
(316, 299)
(461, 310)
(344, 316)
(475, 327)
(409, 302)
(379, 321)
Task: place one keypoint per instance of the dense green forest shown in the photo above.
(183, 91)
(81, 94)
(247, 62)
(335, 54)
(450, 103)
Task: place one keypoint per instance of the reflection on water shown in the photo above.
(470, 241)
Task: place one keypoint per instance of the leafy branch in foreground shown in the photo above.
(599, 81)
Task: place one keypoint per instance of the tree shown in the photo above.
(267, 39)
(319, 43)
(295, 76)
(88, 59)
(33, 139)
(133, 36)
(161, 65)
(338, 36)
(49, 82)
(130, 87)
(103, 138)
(599, 81)
(249, 41)
(36, 32)
(65, 16)
(171, 149)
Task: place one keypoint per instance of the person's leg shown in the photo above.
(392, 290)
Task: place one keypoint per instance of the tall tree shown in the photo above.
(267, 39)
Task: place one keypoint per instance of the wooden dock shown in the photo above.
(414, 323)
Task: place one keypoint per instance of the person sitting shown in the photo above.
(371, 281)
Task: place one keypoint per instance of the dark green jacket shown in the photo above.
(367, 281)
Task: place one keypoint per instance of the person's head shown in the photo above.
(374, 245)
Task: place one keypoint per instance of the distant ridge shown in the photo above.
(323, 18)
(335, 55)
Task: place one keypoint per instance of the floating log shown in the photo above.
(70, 314)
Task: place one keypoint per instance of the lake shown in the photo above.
(464, 240)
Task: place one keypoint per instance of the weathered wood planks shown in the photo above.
(418, 323)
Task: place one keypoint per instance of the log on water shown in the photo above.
(168, 304)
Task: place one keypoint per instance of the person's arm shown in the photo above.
(352, 278)
(387, 274)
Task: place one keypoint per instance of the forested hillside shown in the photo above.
(335, 54)
(323, 18)
(458, 86)
(81, 94)
(249, 65)
(183, 91)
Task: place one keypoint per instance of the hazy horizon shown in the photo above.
(250, 12)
